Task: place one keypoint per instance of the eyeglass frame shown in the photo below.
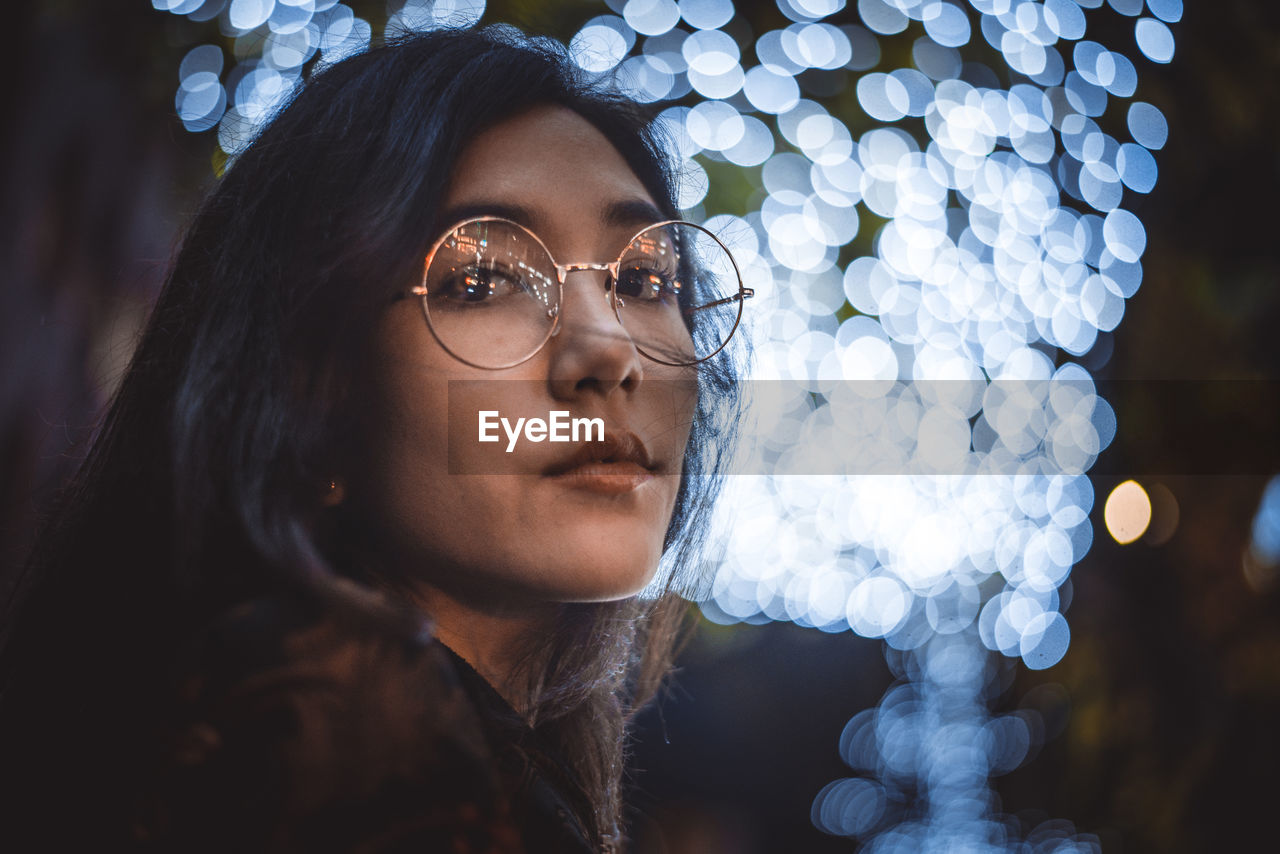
(562, 271)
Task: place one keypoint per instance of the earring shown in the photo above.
(334, 494)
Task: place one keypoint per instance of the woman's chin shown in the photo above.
(594, 585)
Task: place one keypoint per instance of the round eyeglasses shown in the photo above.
(492, 294)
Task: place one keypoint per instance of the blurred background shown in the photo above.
(1153, 731)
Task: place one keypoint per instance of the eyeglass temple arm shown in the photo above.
(745, 293)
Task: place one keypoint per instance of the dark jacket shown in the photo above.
(295, 731)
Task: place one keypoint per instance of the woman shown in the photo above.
(292, 601)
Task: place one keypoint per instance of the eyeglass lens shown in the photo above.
(492, 295)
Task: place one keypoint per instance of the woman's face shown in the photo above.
(545, 521)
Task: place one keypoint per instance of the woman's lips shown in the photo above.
(617, 453)
(606, 478)
(615, 466)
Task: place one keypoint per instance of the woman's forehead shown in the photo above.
(548, 167)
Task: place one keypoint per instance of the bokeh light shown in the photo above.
(275, 40)
(1262, 556)
(1165, 514)
(1127, 512)
(1155, 40)
(1266, 524)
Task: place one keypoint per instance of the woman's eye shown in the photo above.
(648, 283)
(477, 285)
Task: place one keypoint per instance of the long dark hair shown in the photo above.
(204, 486)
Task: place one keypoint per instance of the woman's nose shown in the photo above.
(591, 350)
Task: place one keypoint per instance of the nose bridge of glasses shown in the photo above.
(563, 271)
(610, 271)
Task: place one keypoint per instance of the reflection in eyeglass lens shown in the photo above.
(685, 305)
(487, 261)
(492, 293)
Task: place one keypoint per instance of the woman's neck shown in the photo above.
(492, 639)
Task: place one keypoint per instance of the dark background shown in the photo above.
(1162, 717)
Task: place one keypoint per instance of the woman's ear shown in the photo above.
(335, 493)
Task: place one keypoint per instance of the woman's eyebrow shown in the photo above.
(630, 212)
(472, 210)
(617, 214)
